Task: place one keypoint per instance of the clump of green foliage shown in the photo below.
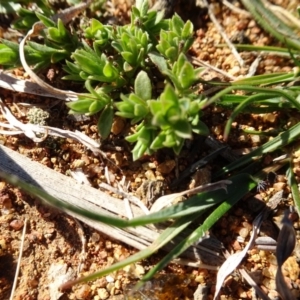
(120, 67)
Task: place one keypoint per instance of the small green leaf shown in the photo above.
(140, 111)
(57, 56)
(129, 57)
(182, 129)
(133, 137)
(42, 48)
(138, 150)
(142, 86)
(177, 24)
(105, 121)
(158, 141)
(72, 68)
(187, 30)
(201, 128)
(159, 61)
(177, 148)
(8, 56)
(144, 7)
(117, 46)
(46, 21)
(73, 77)
(87, 63)
(171, 53)
(108, 70)
(170, 140)
(186, 76)
(96, 106)
(168, 96)
(155, 106)
(80, 106)
(127, 67)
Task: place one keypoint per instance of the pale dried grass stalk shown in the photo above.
(19, 261)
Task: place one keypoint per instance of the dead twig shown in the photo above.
(66, 16)
(19, 261)
(223, 34)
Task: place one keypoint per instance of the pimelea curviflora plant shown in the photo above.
(120, 67)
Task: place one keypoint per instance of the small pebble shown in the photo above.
(16, 224)
(95, 237)
(138, 270)
(244, 232)
(103, 293)
(279, 186)
(118, 125)
(83, 292)
(166, 167)
(273, 295)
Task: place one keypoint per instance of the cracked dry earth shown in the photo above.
(57, 247)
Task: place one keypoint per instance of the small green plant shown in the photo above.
(117, 70)
(58, 45)
(120, 66)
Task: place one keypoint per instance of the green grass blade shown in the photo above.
(271, 23)
(285, 94)
(240, 108)
(166, 236)
(294, 187)
(277, 143)
(241, 185)
(195, 204)
(266, 79)
(276, 50)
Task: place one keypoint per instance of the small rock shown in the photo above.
(109, 279)
(201, 292)
(279, 186)
(103, 293)
(95, 237)
(78, 163)
(118, 284)
(236, 245)
(273, 295)
(290, 268)
(3, 246)
(16, 224)
(138, 271)
(117, 158)
(269, 284)
(83, 292)
(244, 232)
(242, 293)
(166, 167)
(149, 174)
(118, 125)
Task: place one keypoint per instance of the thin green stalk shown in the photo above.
(193, 205)
(254, 89)
(294, 187)
(270, 22)
(276, 50)
(267, 79)
(240, 108)
(235, 193)
(162, 240)
(263, 133)
(276, 143)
